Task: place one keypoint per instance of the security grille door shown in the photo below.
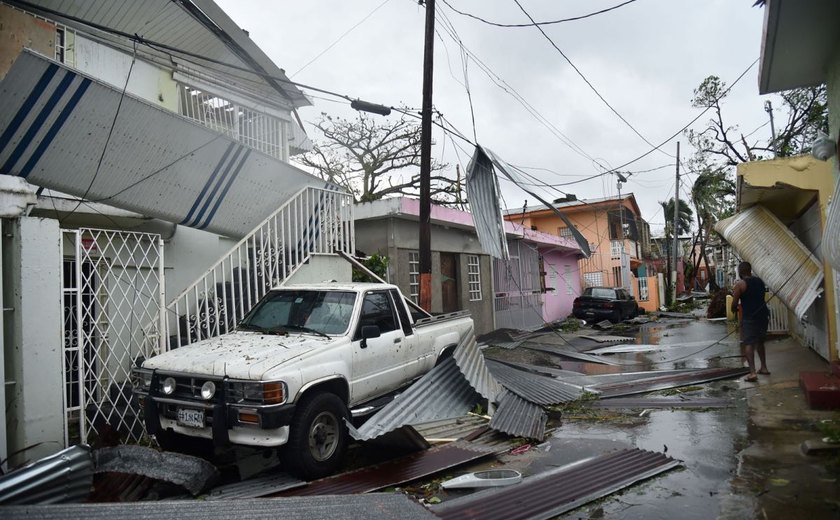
(113, 292)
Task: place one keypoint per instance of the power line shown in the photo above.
(537, 24)
(589, 83)
(333, 44)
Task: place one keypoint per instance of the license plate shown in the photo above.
(191, 418)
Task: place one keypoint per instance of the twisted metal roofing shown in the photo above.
(443, 392)
(66, 476)
(471, 362)
(554, 493)
(777, 256)
(533, 387)
(516, 416)
(661, 382)
(394, 472)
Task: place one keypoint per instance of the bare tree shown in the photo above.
(374, 160)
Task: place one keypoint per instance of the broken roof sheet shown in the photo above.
(255, 487)
(451, 428)
(533, 387)
(66, 476)
(661, 382)
(788, 268)
(553, 493)
(443, 392)
(571, 354)
(394, 472)
(471, 362)
(605, 338)
(518, 417)
(55, 124)
(483, 194)
(352, 507)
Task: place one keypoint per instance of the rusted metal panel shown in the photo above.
(661, 382)
(394, 472)
(776, 255)
(556, 492)
(518, 417)
(64, 477)
(471, 362)
(443, 392)
(353, 507)
(56, 122)
(535, 388)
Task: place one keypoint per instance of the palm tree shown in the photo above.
(684, 216)
(712, 196)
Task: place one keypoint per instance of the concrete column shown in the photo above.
(34, 348)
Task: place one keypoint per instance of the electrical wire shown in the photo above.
(537, 24)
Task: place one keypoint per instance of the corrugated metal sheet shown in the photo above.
(192, 473)
(609, 339)
(830, 243)
(663, 402)
(55, 124)
(471, 362)
(255, 487)
(571, 354)
(66, 476)
(483, 195)
(662, 382)
(452, 428)
(352, 507)
(518, 417)
(787, 267)
(443, 392)
(394, 472)
(535, 388)
(556, 492)
(166, 22)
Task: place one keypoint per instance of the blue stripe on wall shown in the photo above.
(221, 180)
(54, 129)
(27, 105)
(37, 123)
(227, 187)
(208, 183)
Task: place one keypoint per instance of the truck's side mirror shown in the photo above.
(369, 332)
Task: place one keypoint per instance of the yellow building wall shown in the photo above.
(803, 172)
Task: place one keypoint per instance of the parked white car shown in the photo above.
(292, 371)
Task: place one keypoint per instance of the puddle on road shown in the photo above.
(709, 442)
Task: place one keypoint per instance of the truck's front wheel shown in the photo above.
(318, 436)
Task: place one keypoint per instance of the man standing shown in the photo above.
(755, 317)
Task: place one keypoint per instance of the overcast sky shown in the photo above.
(644, 58)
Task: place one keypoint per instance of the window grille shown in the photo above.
(617, 279)
(565, 232)
(595, 279)
(615, 249)
(414, 276)
(474, 277)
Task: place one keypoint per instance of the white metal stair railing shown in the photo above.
(314, 220)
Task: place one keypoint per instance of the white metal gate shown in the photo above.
(518, 302)
(113, 295)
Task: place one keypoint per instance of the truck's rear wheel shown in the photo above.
(317, 437)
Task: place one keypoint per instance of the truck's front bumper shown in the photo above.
(226, 424)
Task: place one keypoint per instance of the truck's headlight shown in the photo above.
(260, 393)
(208, 390)
(168, 385)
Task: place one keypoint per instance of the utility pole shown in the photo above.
(425, 252)
(676, 231)
(768, 107)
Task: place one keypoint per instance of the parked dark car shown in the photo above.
(605, 303)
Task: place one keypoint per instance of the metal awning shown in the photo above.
(54, 125)
(788, 268)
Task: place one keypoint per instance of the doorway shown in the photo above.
(449, 282)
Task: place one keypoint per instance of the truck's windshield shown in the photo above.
(322, 312)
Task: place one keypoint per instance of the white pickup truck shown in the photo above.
(292, 371)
